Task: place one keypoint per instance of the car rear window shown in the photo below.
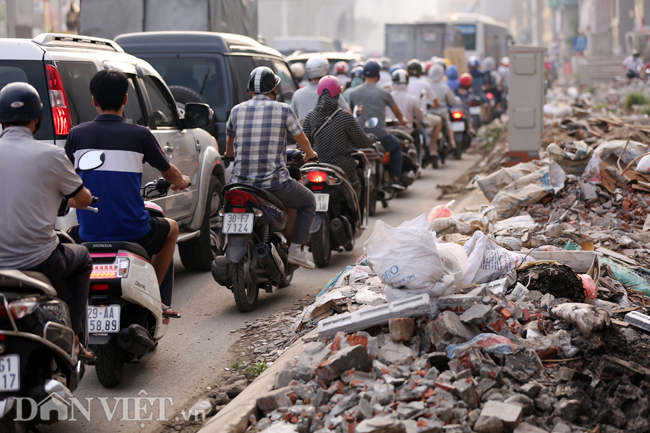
(32, 72)
(204, 75)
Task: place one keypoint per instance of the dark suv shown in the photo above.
(208, 67)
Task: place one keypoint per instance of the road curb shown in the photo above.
(234, 417)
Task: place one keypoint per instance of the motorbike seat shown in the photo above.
(95, 247)
(27, 280)
(257, 191)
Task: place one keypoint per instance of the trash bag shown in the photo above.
(440, 211)
(571, 162)
(643, 165)
(488, 261)
(633, 149)
(405, 256)
(490, 185)
(529, 189)
(590, 287)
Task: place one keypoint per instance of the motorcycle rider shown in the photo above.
(257, 133)
(446, 99)
(385, 79)
(304, 100)
(373, 100)
(298, 71)
(122, 216)
(334, 132)
(452, 78)
(417, 87)
(342, 70)
(409, 105)
(493, 81)
(357, 80)
(632, 65)
(35, 176)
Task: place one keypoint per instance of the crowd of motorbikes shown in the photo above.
(124, 318)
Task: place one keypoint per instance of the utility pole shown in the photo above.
(10, 16)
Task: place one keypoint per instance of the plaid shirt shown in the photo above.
(260, 127)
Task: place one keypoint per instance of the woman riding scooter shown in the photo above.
(335, 133)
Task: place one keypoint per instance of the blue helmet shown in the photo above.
(357, 72)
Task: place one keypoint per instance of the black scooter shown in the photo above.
(37, 342)
(460, 127)
(255, 255)
(341, 216)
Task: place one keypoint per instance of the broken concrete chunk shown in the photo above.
(488, 424)
(274, 400)
(234, 389)
(401, 329)
(345, 359)
(395, 353)
(314, 354)
(448, 329)
(638, 319)
(524, 401)
(523, 364)
(510, 414)
(460, 302)
(531, 389)
(282, 379)
(380, 425)
(466, 391)
(528, 428)
(568, 410)
(476, 314)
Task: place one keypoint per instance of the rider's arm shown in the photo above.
(356, 135)
(81, 200)
(230, 147)
(398, 114)
(305, 146)
(176, 178)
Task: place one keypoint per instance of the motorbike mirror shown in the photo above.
(372, 122)
(91, 160)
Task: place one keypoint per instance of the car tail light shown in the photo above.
(457, 115)
(316, 176)
(119, 269)
(99, 287)
(239, 198)
(59, 102)
(489, 95)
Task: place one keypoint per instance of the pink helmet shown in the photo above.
(331, 83)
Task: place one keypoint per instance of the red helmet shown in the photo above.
(427, 65)
(465, 80)
(342, 67)
(330, 83)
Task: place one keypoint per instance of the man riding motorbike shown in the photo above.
(446, 98)
(35, 176)
(373, 100)
(342, 69)
(126, 146)
(408, 104)
(304, 100)
(417, 87)
(257, 133)
(334, 132)
(357, 80)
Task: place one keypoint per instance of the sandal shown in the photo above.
(86, 355)
(169, 312)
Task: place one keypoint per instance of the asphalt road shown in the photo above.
(194, 352)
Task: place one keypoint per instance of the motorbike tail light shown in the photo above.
(457, 115)
(58, 101)
(239, 210)
(119, 269)
(473, 103)
(22, 308)
(316, 176)
(489, 95)
(239, 198)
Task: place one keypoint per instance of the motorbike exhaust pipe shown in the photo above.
(136, 340)
(264, 255)
(339, 235)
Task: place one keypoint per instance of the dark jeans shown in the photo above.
(294, 195)
(632, 74)
(68, 269)
(394, 147)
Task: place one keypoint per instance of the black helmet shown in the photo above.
(19, 102)
(414, 67)
(263, 80)
(400, 77)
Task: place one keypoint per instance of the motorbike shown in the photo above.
(341, 216)
(37, 342)
(255, 253)
(125, 317)
(410, 156)
(460, 128)
(474, 109)
(377, 191)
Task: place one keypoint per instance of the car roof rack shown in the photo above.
(76, 41)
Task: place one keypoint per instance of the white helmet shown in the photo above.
(317, 67)
(298, 70)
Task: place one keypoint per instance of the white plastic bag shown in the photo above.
(490, 185)
(643, 165)
(488, 261)
(405, 256)
(633, 149)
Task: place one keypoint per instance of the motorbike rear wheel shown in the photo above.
(244, 287)
(109, 365)
(458, 151)
(320, 244)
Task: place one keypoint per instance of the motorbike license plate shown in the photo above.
(103, 320)
(475, 111)
(322, 202)
(458, 126)
(238, 223)
(9, 373)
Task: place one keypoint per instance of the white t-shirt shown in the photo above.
(633, 64)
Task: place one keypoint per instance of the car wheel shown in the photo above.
(197, 254)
